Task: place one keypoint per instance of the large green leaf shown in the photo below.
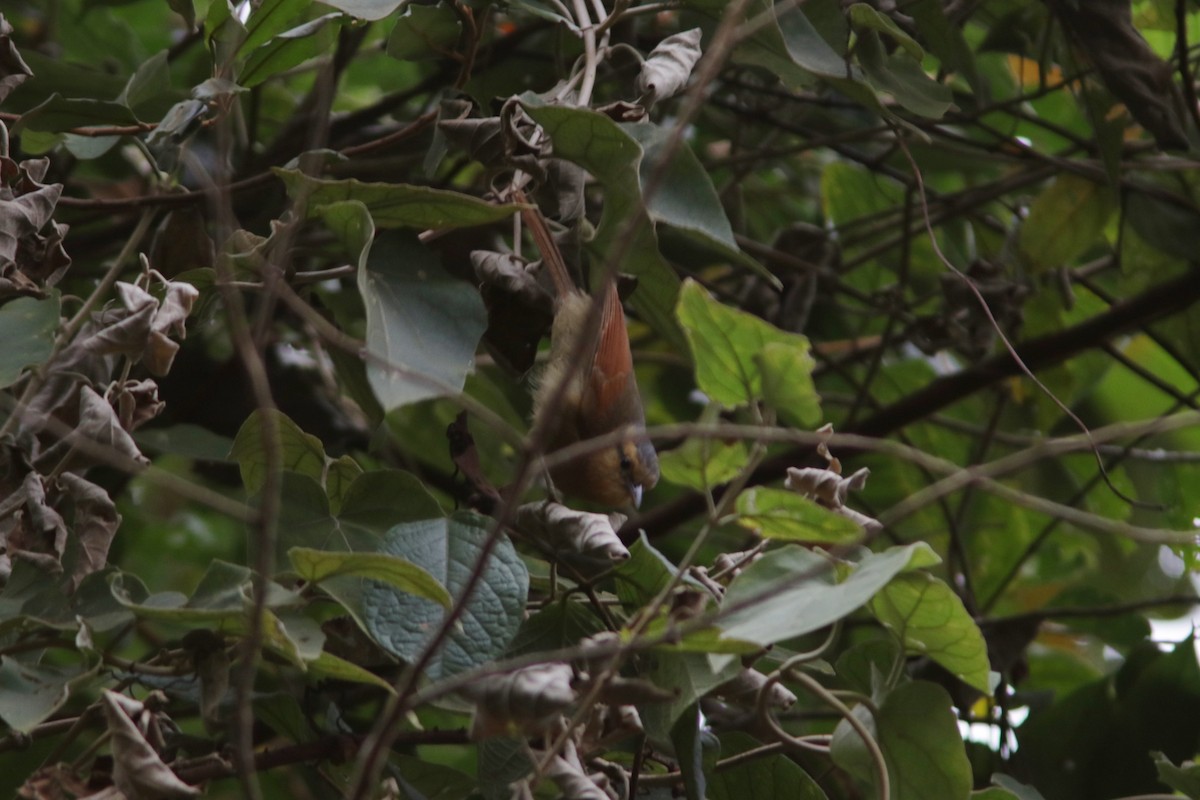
(1183, 778)
(931, 620)
(643, 575)
(917, 730)
(775, 777)
(687, 740)
(684, 197)
(30, 692)
(1065, 220)
(395, 205)
(58, 113)
(299, 452)
(449, 550)
(287, 50)
(31, 322)
(269, 19)
(792, 591)
(422, 324)
(703, 462)
(786, 516)
(316, 566)
(902, 76)
(727, 345)
(220, 600)
(690, 676)
(424, 32)
(370, 10)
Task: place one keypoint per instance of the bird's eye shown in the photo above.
(626, 464)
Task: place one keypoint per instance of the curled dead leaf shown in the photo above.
(744, 688)
(138, 770)
(669, 66)
(527, 701)
(563, 529)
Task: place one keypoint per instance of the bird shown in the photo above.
(599, 393)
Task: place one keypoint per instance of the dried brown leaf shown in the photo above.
(13, 69)
(563, 529)
(669, 66)
(528, 701)
(743, 689)
(569, 775)
(94, 524)
(30, 527)
(138, 770)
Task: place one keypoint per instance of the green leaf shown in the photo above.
(687, 740)
(947, 42)
(866, 17)
(1168, 227)
(786, 516)
(299, 452)
(643, 575)
(394, 205)
(185, 439)
(931, 620)
(685, 198)
(691, 676)
(31, 692)
(269, 19)
(316, 566)
(1015, 788)
(775, 777)
(726, 343)
(58, 113)
(850, 192)
(789, 46)
(993, 793)
(370, 10)
(866, 667)
(31, 322)
(702, 462)
(293, 636)
(422, 324)
(603, 148)
(787, 383)
(502, 760)
(149, 82)
(432, 781)
(917, 731)
(792, 591)
(559, 624)
(287, 50)
(220, 600)
(374, 503)
(1064, 221)
(340, 474)
(903, 78)
(327, 665)
(1183, 778)
(424, 32)
(449, 549)
(378, 500)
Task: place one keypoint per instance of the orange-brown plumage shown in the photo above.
(600, 395)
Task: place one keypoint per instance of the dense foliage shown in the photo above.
(912, 290)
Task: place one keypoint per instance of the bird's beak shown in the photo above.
(636, 490)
